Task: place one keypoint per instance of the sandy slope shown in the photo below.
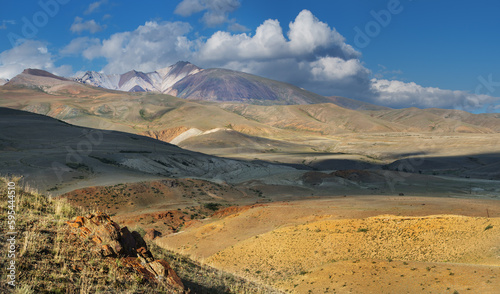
(322, 245)
(299, 254)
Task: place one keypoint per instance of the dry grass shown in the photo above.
(53, 260)
(296, 255)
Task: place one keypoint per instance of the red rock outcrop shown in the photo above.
(114, 242)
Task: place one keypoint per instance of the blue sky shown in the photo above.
(396, 53)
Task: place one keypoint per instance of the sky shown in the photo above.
(397, 53)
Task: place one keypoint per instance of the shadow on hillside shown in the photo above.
(482, 166)
(197, 288)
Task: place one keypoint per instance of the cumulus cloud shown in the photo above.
(308, 38)
(216, 11)
(310, 54)
(80, 26)
(151, 46)
(400, 94)
(30, 54)
(334, 68)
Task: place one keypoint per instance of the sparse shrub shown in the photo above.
(363, 230)
(488, 227)
(212, 206)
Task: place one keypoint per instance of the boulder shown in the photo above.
(111, 241)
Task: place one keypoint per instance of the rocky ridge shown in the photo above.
(135, 81)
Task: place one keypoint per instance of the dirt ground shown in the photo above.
(362, 244)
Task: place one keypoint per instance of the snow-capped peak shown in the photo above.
(133, 81)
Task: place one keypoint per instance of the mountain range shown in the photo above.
(155, 113)
(186, 80)
(242, 129)
(134, 81)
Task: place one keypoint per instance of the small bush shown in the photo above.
(212, 206)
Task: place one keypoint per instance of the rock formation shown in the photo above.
(111, 241)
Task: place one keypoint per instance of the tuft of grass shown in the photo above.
(488, 227)
(24, 289)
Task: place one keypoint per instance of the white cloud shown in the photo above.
(30, 54)
(310, 55)
(79, 26)
(94, 6)
(78, 45)
(334, 68)
(308, 39)
(189, 7)
(216, 11)
(149, 47)
(308, 35)
(267, 43)
(400, 94)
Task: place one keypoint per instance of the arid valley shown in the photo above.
(249, 147)
(335, 197)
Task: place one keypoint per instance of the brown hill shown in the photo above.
(156, 113)
(46, 82)
(324, 119)
(57, 156)
(355, 104)
(440, 120)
